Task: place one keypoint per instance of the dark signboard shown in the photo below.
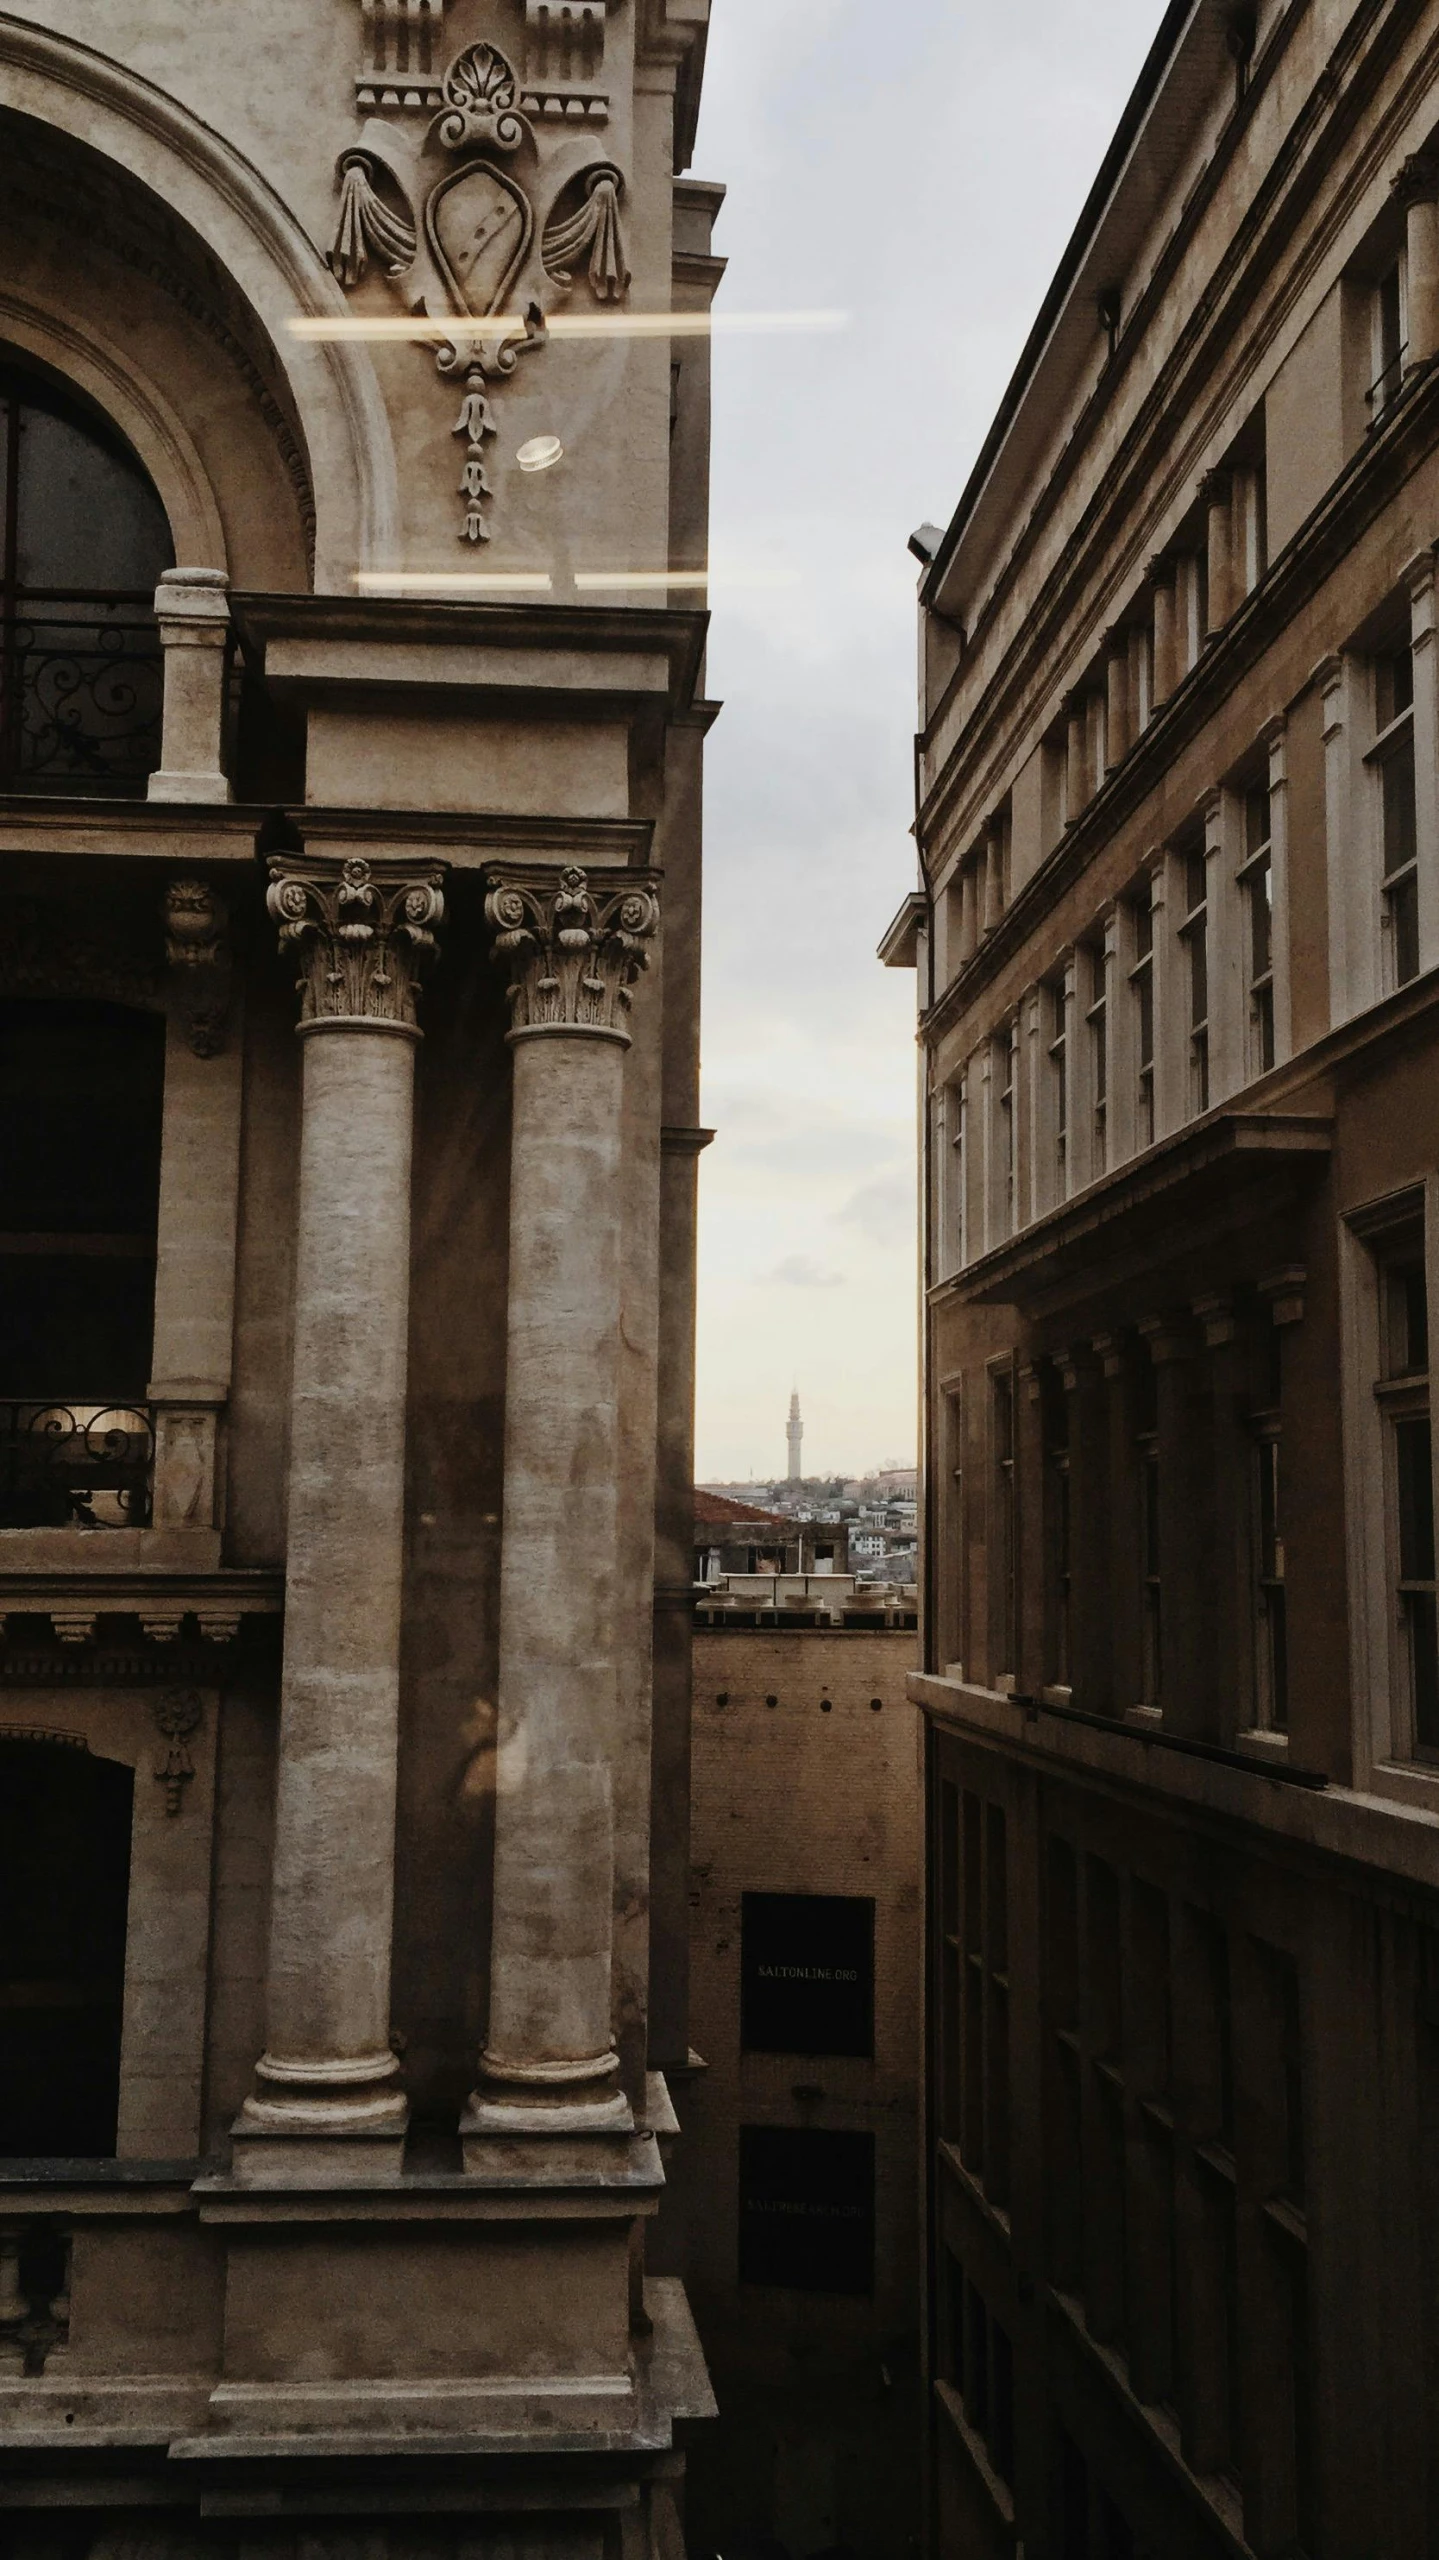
(807, 1974)
(806, 2209)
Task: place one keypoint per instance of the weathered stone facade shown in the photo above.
(349, 889)
(1178, 950)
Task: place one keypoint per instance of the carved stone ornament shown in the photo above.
(476, 225)
(573, 948)
(361, 934)
(178, 1714)
(197, 947)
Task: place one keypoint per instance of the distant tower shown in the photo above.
(795, 1436)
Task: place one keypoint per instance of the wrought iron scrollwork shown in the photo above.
(81, 701)
(75, 1466)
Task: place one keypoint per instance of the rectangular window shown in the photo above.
(1402, 1392)
(807, 1974)
(984, 1955)
(1256, 878)
(806, 2209)
(1150, 1593)
(1390, 339)
(1007, 1131)
(1392, 758)
(1059, 1072)
(1065, 2194)
(1271, 1626)
(1097, 1018)
(1141, 980)
(1194, 933)
(1059, 1532)
(1004, 1610)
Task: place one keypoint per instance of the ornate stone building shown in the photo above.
(1178, 953)
(353, 491)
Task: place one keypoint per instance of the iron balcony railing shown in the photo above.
(81, 693)
(73, 1465)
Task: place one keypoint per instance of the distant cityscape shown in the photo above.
(876, 1514)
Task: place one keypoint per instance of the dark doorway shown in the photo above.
(64, 1890)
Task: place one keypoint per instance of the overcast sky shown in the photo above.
(920, 167)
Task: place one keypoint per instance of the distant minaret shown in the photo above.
(795, 1436)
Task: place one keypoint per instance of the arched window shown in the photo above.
(81, 1099)
(83, 541)
(64, 1891)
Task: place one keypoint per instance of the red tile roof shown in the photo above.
(717, 1511)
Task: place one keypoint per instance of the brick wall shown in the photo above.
(815, 1793)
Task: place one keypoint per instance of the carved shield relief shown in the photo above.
(479, 226)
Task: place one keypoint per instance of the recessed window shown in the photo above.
(1391, 761)
(1194, 933)
(1402, 1395)
(1390, 333)
(1256, 880)
(83, 544)
(1096, 1015)
(1141, 982)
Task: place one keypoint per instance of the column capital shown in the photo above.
(1416, 180)
(361, 933)
(574, 945)
(1216, 485)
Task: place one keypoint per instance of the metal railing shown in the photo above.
(81, 694)
(74, 1465)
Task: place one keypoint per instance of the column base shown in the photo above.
(321, 2118)
(272, 2156)
(529, 2103)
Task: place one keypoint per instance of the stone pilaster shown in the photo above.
(325, 2092)
(574, 947)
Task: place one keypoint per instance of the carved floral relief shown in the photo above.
(469, 225)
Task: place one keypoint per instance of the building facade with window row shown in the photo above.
(1177, 942)
(350, 778)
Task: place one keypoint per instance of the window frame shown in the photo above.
(1375, 1399)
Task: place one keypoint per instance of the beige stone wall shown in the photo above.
(802, 1797)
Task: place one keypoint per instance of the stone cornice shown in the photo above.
(1149, 441)
(585, 635)
(1367, 484)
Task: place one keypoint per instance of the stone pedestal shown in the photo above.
(550, 2067)
(193, 609)
(325, 2099)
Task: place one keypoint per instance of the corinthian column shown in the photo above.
(574, 948)
(325, 2084)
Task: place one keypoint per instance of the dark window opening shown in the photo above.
(83, 544)
(81, 1100)
(64, 1888)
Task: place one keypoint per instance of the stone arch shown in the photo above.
(104, 369)
(261, 263)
